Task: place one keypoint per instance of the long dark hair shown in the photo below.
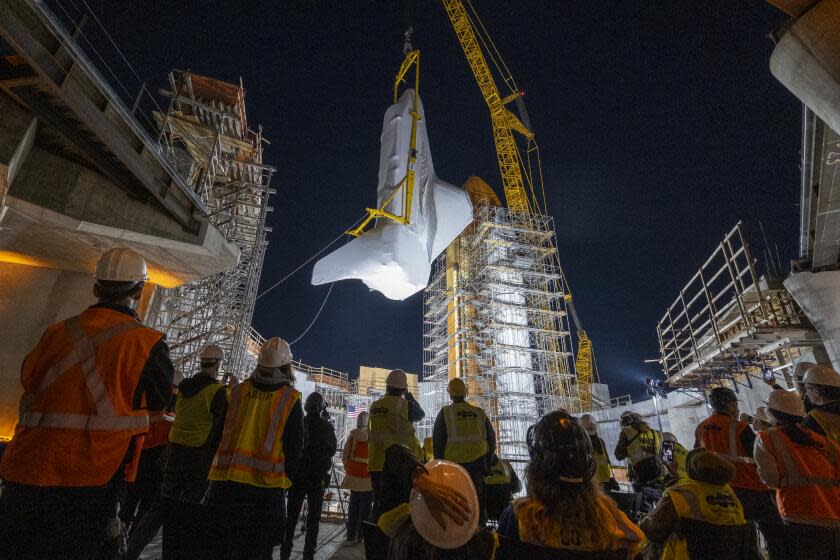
(791, 427)
(407, 544)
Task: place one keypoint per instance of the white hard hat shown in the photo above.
(121, 265)
(822, 375)
(761, 414)
(397, 379)
(275, 353)
(212, 352)
(801, 368)
(362, 420)
(787, 402)
(453, 536)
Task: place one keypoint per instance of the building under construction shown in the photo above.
(205, 128)
(494, 314)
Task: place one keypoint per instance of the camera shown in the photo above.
(768, 374)
(667, 451)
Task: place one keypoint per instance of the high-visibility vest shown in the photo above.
(722, 434)
(160, 423)
(536, 527)
(500, 473)
(680, 455)
(829, 422)
(251, 450)
(603, 469)
(700, 501)
(77, 412)
(389, 424)
(358, 464)
(643, 444)
(809, 478)
(194, 417)
(466, 435)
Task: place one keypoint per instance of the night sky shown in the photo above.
(659, 123)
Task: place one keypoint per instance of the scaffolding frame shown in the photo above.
(729, 322)
(495, 315)
(205, 131)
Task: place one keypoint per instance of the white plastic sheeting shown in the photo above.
(392, 258)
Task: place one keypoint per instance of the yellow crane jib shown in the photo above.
(412, 59)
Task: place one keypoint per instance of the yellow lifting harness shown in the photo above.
(412, 58)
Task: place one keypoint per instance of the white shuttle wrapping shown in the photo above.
(392, 258)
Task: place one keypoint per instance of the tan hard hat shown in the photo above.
(668, 436)
(397, 379)
(212, 352)
(822, 375)
(801, 368)
(275, 353)
(121, 265)
(457, 388)
(589, 424)
(453, 536)
(787, 402)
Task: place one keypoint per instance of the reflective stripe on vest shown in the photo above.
(792, 475)
(829, 422)
(389, 424)
(500, 473)
(160, 423)
(251, 450)
(358, 464)
(194, 418)
(712, 503)
(643, 446)
(77, 417)
(720, 433)
(466, 436)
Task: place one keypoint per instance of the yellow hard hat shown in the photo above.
(457, 388)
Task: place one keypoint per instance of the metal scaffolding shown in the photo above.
(206, 131)
(495, 315)
(729, 322)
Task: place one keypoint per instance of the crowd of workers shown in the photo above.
(108, 445)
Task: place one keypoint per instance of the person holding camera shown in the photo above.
(641, 445)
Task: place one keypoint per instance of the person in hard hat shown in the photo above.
(761, 420)
(357, 478)
(500, 484)
(311, 477)
(391, 421)
(89, 387)
(822, 386)
(463, 434)
(723, 433)
(641, 445)
(565, 507)
(676, 462)
(803, 467)
(703, 495)
(193, 440)
(603, 470)
(261, 443)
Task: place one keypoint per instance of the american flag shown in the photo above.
(353, 411)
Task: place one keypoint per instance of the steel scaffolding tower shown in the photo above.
(495, 315)
(205, 129)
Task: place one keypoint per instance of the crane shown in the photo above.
(519, 181)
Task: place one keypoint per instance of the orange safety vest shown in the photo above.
(160, 424)
(809, 478)
(77, 415)
(251, 450)
(722, 434)
(358, 464)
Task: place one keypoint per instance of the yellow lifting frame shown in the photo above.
(412, 58)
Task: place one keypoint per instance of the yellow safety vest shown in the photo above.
(466, 435)
(251, 451)
(830, 423)
(680, 455)
(644, 446)
(700, 501)
(193, 419)
(500, 473)
(388, 425)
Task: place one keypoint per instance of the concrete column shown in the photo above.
(807, 59)
(818, 294)
(31, 298)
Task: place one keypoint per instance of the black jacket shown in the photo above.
(319, 447)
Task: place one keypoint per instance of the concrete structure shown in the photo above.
(372, 381)
(79, 174)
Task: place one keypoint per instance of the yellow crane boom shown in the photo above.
(504, 122)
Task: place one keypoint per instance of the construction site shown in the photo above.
(181, 175)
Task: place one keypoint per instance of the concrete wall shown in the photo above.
(818, 294)
(31, 298)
